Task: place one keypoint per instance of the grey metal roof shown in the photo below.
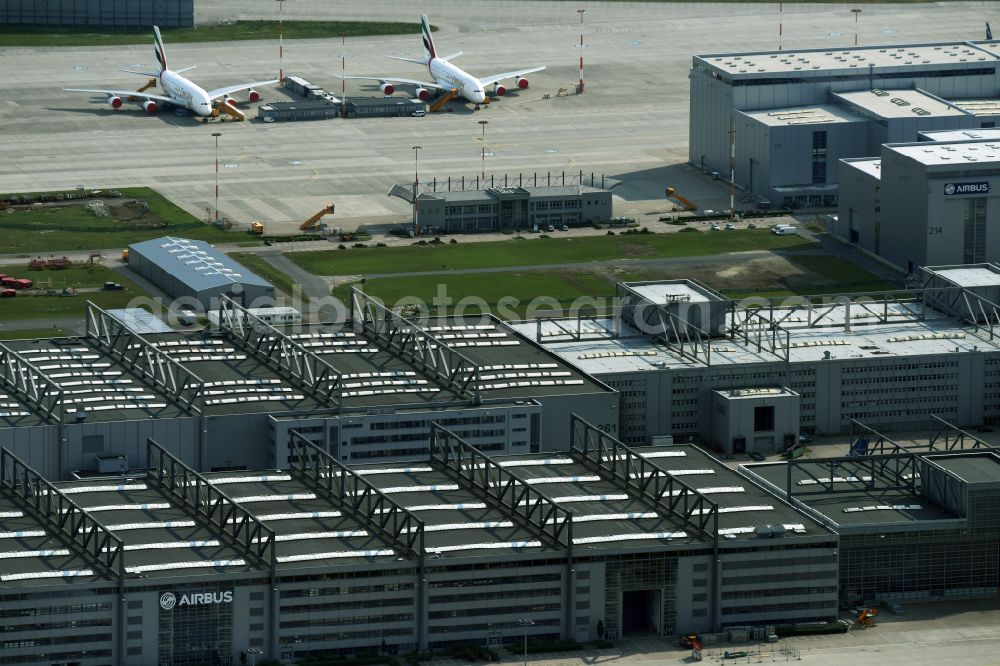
(162, 538)
(821, 61)
(383, 101)
(141, 321)
(985, 133)
(853, 504)
(196, 263)
(960, 155)
(899, 103)
(969, 275)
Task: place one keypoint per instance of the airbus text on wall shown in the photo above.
(966, 188)
(168, 600)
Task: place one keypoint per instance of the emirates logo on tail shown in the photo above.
(161, 56)
(428, 42)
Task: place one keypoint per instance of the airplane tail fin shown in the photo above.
(425, 28)
(161, 55)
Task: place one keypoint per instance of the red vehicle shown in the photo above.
(8, 293)
(16, 283)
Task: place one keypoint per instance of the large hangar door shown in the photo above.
(641, 611)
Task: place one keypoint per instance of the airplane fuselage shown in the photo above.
(185, 93)
(449, 76)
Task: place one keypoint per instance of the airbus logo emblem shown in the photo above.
(169, 601)
(966, 188)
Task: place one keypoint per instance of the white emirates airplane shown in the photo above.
(449, 77)
(178, 90)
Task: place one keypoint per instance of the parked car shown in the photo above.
(715, 227)
(8, 293)
(730, 226)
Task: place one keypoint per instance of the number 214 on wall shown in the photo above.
(935, 230)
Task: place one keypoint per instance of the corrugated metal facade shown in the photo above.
(114, 13)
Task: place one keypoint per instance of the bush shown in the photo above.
(453, 241)
(687, 229)
(611, 233)
(544, 236)
(360, 245)
(341, 247)
(470, 652)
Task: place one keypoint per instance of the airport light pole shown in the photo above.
(281, 42)
(857, 13)
(526, 622)
(781, 27)
(483, 124)
(416, 190)
(343, 72)
(216, 135)
(581, 13)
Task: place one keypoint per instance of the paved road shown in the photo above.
(312, 286)
(71, 325)
(956, 633)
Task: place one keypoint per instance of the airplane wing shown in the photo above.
(509, 75)
(389, 79)
(220, 92)
(413, 60)
(122, 93)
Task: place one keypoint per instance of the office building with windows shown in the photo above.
(743, 377)
(514, 208)
(789, 113)
(120, 14)
(924, 203)
(914, 524)
(170, 566)
(229, 397)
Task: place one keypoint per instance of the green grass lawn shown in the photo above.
(46, 229)
(101, 36)
(824, 275)
(260, 266)
(561, 288)
(25, 306)
(30, 333)
(535, 251)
